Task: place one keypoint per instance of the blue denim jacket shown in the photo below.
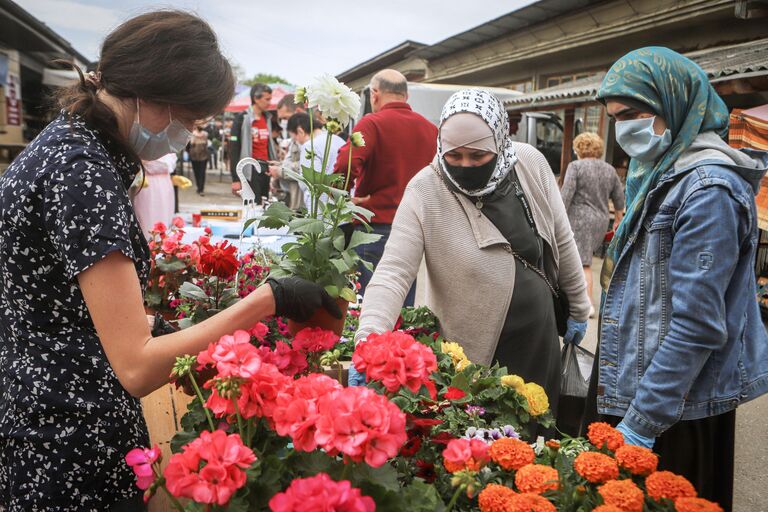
(681, 335)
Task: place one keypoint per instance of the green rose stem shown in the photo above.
(202, 402)
(455, 497)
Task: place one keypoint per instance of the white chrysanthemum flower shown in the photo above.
(334, 99)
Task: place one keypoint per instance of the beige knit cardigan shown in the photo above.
(469, 266)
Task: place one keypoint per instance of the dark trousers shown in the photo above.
(700, 450)
(198, 166)
(213, 158)
(373, 253)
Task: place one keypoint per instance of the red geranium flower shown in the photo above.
(454, 394)
(314, 339)
(219, 260)
(319, 492)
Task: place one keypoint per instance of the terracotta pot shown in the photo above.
(167, 315)
(323, 319)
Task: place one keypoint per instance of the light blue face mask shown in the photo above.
(151, 146)
(638, 140)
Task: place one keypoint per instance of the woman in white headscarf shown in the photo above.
(484, 214)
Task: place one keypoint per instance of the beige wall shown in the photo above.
(407, 67)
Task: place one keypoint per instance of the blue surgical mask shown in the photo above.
(151, 146)
(637, 138)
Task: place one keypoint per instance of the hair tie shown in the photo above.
(94, 78)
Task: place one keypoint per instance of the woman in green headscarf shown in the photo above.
(681, 340)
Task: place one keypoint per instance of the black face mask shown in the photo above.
(471, 178)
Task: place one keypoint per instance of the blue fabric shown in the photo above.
(575, 331)
(633, 438)
(3, 69)
(355, 378)
(372, 253)
(681, 333)
(676, 89)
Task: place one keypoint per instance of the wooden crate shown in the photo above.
(163, 410)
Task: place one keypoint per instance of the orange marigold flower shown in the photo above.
(602, 434)
(511, 454)
(696, 505)
(596, 467)
(553, 444)
(495, 498)
(665, 484)
(536, 478)
(452, 467)
(607, 508)
(529, 502)
(623, 494)
(637, 460)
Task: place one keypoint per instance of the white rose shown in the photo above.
(334, 99)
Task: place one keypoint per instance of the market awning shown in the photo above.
(242, 99)
(721, 63)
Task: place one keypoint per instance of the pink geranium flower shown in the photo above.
(225, 459)
(159, 227)
(178, 222)
(361, 424)
(141, 460)
(257, 395)
(320, 492)
(259, 331)
(296, 411)
(314, 339)
(288, 360)
(395, 359)
(233, 355)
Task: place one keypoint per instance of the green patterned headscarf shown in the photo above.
(676, 89)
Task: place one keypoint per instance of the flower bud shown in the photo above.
(357, 139)
(300, 96)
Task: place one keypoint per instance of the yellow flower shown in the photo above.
(357, 139)
(456, 352)
(538, 403)
(513, 381)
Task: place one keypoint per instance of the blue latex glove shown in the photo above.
(632, 437)
(355, 378)
(575, 331)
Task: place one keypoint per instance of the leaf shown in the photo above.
(306, 225)
(348, 294)
(361, 238)
(170, 266)
(340, 265)
(338, 242)
(192, 291)
(186, 323)
(332, 290)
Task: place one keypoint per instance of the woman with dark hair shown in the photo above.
(76, 349)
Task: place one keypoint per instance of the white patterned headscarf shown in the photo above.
(491, 110)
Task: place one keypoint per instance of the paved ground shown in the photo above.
(751, 478)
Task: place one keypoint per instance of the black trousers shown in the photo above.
(198, 166)
(700, 450)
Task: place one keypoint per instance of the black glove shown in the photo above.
(298, 299)
(162, 326)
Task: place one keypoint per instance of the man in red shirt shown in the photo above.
(252, 137)
(398, 144)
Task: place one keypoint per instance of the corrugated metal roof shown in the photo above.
(720, 63)
(380, 61)
(536, 12)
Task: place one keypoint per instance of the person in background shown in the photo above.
(589, 183)
(198, 154)
(294, 197)
(76, 349)
(252, 137)
(681, 342)
(483, 215)
(312, 136)
(155, 202)
(398, 143)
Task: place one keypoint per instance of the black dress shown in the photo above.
(66, 423)
(528, 345)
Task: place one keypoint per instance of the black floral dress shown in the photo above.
(66, 423)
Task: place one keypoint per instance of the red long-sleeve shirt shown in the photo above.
(398, 144)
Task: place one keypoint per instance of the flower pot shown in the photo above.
(323, 319)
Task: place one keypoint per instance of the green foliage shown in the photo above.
(266, 78)
(320, 252)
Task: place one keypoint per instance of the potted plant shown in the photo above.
(320, 252)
